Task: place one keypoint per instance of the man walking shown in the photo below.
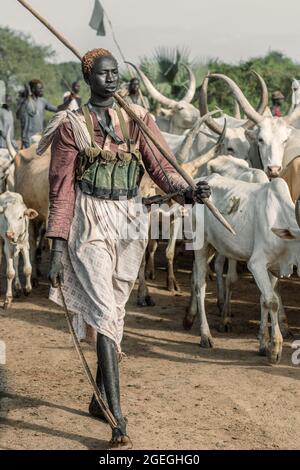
(98, 157)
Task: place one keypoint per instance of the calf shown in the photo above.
(14, 221)
(253, 210)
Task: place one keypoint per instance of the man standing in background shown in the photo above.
(31, 111)
(134, 95)
(277, 100)
(6, 122)
(72, 97)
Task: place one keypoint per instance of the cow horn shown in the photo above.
(10, 147)
(156, 95)
(237, 111)
(192, 87)
(264, 100)
(297, 211)
(295, 114)
(251, 113)
(187, 143)
(211, 123)
(193, 166)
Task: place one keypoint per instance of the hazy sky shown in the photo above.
(228, 29)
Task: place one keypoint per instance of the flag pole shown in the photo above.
(122, 55)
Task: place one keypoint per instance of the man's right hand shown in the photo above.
(56, 273)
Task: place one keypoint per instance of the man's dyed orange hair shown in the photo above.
(89, 58)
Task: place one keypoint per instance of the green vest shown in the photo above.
(105, 174)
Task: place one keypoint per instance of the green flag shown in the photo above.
(97, 20)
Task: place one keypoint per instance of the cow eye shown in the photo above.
(230, 149)
(20, 217)
(260, 140)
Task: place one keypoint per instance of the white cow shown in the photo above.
(278, 141)
(14, 221)
(253, 210)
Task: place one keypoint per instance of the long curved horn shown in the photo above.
(187, 143)
(193, 166)
(264, 100)
(293, 116)
(10, 147)
(192, 87)
(297, 211)
(237, 111)
(212, 124)
(156, 95)
(251, 113)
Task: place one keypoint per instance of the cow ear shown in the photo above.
(31, 214)
(287, 233)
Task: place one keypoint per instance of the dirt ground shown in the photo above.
(175, 395)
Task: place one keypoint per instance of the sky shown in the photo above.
(231, 30)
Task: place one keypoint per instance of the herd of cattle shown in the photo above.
(242, 159)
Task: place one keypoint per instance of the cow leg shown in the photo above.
(199, 286)
(219, 269)
(283, 321)
(151, 250)
(144, 299)
(175, 230)
(10, 275)
(263, 335)
(27, 270)
(33, 233)
(271, 303)
(231, 278)
(18, 287)
(191, 310)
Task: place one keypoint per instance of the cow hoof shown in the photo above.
(274, 358)
(263, 351)
(149, 301)
(35, 282)
(206, 342)
(7, 304)
(274, 355)
(18, 292)
(27, 292)
(225, 328)
(173, 286)
(141, 302)
(188, 322)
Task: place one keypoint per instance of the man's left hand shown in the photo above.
(196, 195)
(202, 191)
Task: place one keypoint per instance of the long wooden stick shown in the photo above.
(106, 411)
(139, 121)
(172, 161)
(50, 27)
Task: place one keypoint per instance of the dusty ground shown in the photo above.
(176, 396)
